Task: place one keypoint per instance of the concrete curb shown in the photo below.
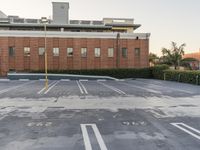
(41, 76)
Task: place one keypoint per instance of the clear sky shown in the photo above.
(166, 20)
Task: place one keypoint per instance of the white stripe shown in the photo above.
(39, 92)
(65, 80)
(42, 79)
(4, 79)
(82, 80)
(187, 131)
(23, 79)
(80, 87)
(86, 92)
(51, 87)
(97, 134)
(99, 137)
(15, 87)
(101, 80)
(143, 88)
(113, 88)
(86, 137)
(166, 87)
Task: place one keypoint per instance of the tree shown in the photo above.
(174, 55)
(153, 58)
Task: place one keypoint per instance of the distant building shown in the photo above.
(194, 64)
(71, 44)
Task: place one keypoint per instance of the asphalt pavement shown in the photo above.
(136, 114)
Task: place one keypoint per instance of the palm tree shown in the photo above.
(174, 55)
(153, 58)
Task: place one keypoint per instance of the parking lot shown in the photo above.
(99, 115)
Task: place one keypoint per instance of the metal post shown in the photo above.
(45, 21)
(45, 55)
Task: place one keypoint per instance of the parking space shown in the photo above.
(99, 115)
(66, 88)
(59, 128)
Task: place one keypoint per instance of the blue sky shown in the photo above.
(166, 20)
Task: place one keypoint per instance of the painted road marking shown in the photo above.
(113, 88)
(84, 89)
(43, 89)
(175, 89)
(86, 138)
(81, 88)
(83, 80)
(50, 87)
(4, 80)
(65, 80)
(101, 80)
(24, 80)
(15, 87)
(185, 128)
(143, 88)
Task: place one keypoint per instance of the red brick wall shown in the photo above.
(35, 62)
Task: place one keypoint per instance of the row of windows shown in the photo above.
(97, 52)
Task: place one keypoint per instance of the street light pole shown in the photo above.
(44, 21)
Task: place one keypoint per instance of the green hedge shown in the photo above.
(116, 73)
(158, 71)
(192, 77)
(151, 72)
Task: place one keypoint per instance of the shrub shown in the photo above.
(158, 71)
(116, 73)
(192, 77)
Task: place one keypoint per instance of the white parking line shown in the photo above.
(175, 89)
(51, 87)
(81, 90)
(143, 88)
(65, 80)
(39, 92)
(4, 80)
(87, 139)
(24, 80)
(84, 89)
(101, 80)
(185, 128)
(83, 80)
(15, 87)
(112, 88)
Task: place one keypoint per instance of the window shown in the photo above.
(11, 51)
(69, 52)
(83, 52)
(26, 51)
(41, 51)
(110, 52)
(137, 52)
(124, 52)
(97, 52)
(55, 51)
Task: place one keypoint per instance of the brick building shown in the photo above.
(194, 64)
(71, 44)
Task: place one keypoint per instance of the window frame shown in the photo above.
(110, 52)
(138, 53)
(83, 52)
(11, 54)
(56, 51)
(39, 51)
(27, 51)
(97, 52)
(70, 48)
(124, 52)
